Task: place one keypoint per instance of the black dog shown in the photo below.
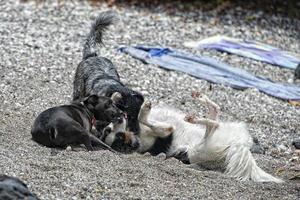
(97, 75)
(12, 188)
(71, 124)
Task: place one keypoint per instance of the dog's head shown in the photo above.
(116, 136)
(103, 108)
(131, 103)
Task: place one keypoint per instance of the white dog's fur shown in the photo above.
(207, 142)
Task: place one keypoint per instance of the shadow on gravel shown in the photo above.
(222, 12)
(218, 11)
(283, 8)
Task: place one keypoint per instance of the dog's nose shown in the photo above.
(120, 120)
(135, 145)
(107, 130)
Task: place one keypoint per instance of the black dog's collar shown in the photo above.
(89, 114)
(93, 121)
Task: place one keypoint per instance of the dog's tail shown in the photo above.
(95, 36)
(241, 165)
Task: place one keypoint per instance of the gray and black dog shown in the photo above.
(97, 75)
(71, 124)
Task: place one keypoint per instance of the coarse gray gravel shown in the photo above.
(40, 47)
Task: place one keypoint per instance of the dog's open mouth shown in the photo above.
(125, 115)
(118, 120)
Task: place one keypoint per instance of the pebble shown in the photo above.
(282, 148)
(294, 159)
(44, 69)
(69, 148)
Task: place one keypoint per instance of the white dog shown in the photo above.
(203, 141)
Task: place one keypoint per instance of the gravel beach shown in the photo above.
(40, 47)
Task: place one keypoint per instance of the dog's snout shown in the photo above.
(107, 130)
(124, 115)
(120, 120)
(113, 115)
(135, 145)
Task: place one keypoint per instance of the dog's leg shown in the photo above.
(96, 142)
(213, 114)
(87, 142)
(158, 129)
(213, 108)
(180, 154)
(90, 140)
(210, 122)
(144, 112)
(203, 121)
(161, 131)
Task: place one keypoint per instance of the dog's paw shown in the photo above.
(180, 154)
(146, 106)
(191, 118)
(90, 148)
(145, 110)
(212, 105)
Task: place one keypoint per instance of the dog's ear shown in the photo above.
(91, 101)
(139, 97)
(116, 97)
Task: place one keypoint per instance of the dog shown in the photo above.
(211, 144)
(71, 124)
(97, 75)
(13, 188)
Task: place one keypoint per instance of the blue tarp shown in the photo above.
(211, 70)
(249, 49)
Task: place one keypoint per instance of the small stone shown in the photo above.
(290, 80)
(282, 148)
(44, 69)
(69, 148)
(294, 159)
